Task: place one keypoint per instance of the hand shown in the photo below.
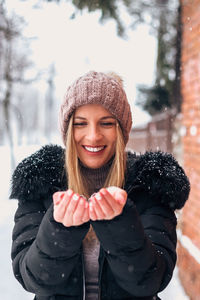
(107, 203)
(70, 209)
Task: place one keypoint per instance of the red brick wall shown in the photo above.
(189, 273)
(189, 268)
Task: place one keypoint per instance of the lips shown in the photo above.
(94, 149)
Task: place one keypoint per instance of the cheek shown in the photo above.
(113, 141)
(114, 147)
(77, 136)
(113, 137)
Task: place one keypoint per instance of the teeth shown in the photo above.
(96, 149)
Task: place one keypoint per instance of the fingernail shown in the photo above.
(81, 201)
(69, 192)
(90, 206)
(103, 191)
(93, 200)
(75, 197)
(98, 197)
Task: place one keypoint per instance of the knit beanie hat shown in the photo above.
(97, 88)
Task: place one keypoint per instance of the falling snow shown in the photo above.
(173, 292)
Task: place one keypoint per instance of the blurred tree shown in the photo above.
(49, 103)
(165, 93)
(164, 19)
(13, 63)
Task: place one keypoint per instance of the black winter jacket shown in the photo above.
(138, 247)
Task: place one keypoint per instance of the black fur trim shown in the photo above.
(158, 173)
(161, 175)
(40, 174)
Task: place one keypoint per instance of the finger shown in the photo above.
(119, 194)
(65, 200)
(92, 213)
(104, 205)
(60, 207)
(97, 209)
(79, 211)
(73, 204)
(68, 216)
(116, 206)
(86, 216)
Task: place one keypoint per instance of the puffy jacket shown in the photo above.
(138, 248)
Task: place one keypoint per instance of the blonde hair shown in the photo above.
(75, 180)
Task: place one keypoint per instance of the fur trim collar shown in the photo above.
(39, 175)
(158, 173)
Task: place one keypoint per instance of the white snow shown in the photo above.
(187, 243)
(9, 287)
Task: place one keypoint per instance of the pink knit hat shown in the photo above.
(97, 88)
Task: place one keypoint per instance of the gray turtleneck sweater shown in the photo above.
(95, 179)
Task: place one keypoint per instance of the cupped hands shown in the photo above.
(72, 209)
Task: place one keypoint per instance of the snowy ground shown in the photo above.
(9, 288)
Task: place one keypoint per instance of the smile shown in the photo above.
(94, 149)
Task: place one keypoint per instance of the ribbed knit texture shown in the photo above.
(91, 248)
(95, 178)
(97, 88)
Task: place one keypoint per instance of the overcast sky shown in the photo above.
(83, 44)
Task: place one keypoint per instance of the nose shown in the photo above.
(94, 134)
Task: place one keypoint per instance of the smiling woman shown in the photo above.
(95, 221)
(94, 134)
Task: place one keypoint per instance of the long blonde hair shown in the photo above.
(75, 180)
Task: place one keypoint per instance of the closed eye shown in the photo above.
(107, 124)
(76, 124)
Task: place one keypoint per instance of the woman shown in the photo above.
(94, 221)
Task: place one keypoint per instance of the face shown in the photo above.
(95, 135)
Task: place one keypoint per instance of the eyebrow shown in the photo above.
(103, 118)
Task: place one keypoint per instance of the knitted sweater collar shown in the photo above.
(95, 178)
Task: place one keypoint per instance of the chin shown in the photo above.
(94, 165)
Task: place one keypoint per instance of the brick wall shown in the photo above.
(189, 264)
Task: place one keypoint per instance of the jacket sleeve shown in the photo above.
(140, 244)
(140, 250)
(44, 252)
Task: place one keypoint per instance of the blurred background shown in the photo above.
(154, 46)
